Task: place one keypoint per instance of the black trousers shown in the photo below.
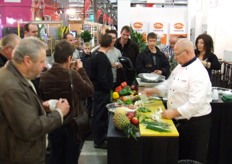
(64, 147)
(194, 138)
(100, 116)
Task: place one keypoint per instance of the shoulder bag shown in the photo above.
(81, 121)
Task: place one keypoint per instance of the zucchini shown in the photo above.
(157, 128)
(156, 123)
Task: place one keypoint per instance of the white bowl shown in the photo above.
(227, 93)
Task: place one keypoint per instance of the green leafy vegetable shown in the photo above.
(126, 91)
(130, 130)
(143, 109)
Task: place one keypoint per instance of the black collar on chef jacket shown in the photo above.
(189, 62)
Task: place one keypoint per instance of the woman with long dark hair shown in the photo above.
(205, 52)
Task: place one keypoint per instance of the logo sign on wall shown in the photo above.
(140, 27)
(177, 28)
(161, 29)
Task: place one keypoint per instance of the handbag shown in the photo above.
(81, 120)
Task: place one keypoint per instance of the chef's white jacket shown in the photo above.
(188, 90)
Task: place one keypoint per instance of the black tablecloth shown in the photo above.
(144, 150)
(220, 143)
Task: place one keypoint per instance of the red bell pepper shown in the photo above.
(118, 89)
(123, 84)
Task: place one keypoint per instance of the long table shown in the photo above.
(144, 150)
(220, 143)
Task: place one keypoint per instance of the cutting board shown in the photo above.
(147, 132)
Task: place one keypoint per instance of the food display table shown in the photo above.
(147, 149)
(220, 143)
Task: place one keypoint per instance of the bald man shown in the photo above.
(188, 90)
(7, 46)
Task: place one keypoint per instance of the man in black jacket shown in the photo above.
(102, 79)
(128, 49)
(152, 60)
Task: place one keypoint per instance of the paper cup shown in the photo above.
(52, 104)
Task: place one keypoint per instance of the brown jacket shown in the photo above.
(55, 83)
(23, 123)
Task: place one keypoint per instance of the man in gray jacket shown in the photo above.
(24, 122)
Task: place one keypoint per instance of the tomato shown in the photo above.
(130, 115)
(134, 121)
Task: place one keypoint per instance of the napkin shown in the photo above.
(227, 98)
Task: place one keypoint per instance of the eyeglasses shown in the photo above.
(177, 54)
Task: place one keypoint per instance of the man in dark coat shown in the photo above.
(128, 49)
(152, 60)
(24, 124)
(102, 78)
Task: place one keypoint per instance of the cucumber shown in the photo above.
(157, 128)
(156, 123)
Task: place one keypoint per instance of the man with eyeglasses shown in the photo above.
(7, 45)
(188, 90)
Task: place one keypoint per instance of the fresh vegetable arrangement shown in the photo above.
(125, 94)
(132, 112)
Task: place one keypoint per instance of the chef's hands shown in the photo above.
(170, 113)
(150, 91)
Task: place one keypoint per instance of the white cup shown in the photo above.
(52, 104)
(215, 94)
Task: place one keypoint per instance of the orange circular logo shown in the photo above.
(178, 25)
(137, 25)
(158, 25)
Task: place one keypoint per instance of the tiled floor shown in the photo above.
(91, 155)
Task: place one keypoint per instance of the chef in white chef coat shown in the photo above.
(188, 91)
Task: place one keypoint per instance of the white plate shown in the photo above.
(125, 108)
